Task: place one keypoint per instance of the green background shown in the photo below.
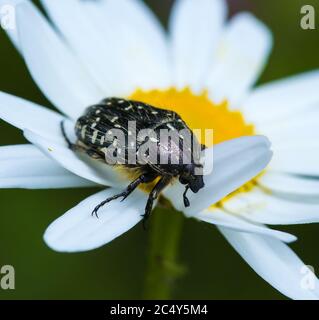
(116, 271)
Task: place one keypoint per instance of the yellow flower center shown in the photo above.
(199, 112)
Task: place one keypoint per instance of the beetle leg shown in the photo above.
(71, 145)
(161, 184)
(144, 178)
(186, 201)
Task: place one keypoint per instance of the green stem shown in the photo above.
(163, 269)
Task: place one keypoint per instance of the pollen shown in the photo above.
(199, 112)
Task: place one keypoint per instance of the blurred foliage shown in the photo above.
(117, 270)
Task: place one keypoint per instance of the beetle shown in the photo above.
(94, 136)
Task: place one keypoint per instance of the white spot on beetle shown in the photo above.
(83, 131)
(94, 136)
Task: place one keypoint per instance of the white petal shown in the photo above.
(270, 209)
(140, 45)
(120, 41)
(295, 140)
(24, 114)
(242, 54)
(195, 27)
(285, 184)
(77, 163)
(235, 162)
(299, 129)
(78, 230)
(52, 65)
(302, 161)
(295, 143)
(276, 263)
(24, 166)
(224, 219)
(277, 100)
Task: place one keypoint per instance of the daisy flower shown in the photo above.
(204, 69)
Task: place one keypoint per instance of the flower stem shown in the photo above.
(163, 268)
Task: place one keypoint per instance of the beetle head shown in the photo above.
(188, 177)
